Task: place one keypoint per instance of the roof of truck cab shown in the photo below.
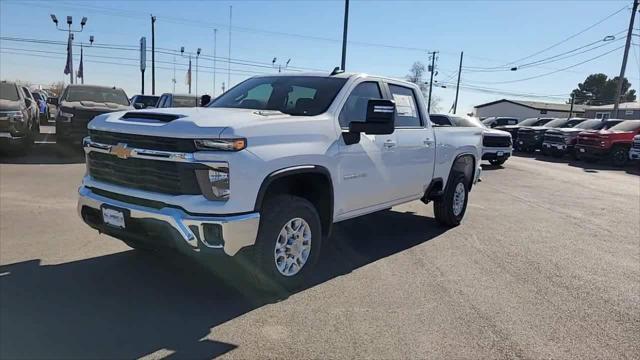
(342, 75)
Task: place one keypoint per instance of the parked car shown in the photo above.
(144, 101)
(78, 104)
(34, 109)
(530, 138)
(42, 106)
(168, 100)
(500, 121)
(264, 171)
(513, 129)
(634, 152)
(558, 142)
(17, 124)
(496, 144)
(613, 144)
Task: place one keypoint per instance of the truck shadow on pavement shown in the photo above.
(128, 305)
(45, 153)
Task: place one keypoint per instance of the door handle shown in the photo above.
(427, 142)
(389, 144)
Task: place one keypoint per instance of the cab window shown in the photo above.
(355, 108)
(407, 113)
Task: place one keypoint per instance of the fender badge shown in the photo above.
(121, 151)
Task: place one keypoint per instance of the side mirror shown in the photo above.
(380, 118)
(52, 101)
(138, 105)
(27, 102)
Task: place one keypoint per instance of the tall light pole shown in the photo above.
(344, 35)
(153, 55)
(229, 59)
(91, 39)
(197, 56)
(70, 32)
(432, 69)
(455, 103)
(616, 104)
(189, 68)
(215, 45)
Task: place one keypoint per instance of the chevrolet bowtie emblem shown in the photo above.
(121, 150)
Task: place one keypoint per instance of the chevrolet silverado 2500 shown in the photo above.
(613, 143)
(264, 172)
(558, 142)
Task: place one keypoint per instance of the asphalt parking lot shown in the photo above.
(545, 265)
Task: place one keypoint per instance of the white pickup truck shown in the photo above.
(264, 172)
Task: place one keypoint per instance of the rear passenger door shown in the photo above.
(415, 151)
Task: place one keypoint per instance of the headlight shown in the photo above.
(219, 180)
(235, 144)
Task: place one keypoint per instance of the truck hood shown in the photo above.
(94, 106)
(186, 122)
(494, 132)
(562, 131)
(9, 105)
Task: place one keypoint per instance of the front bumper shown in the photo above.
(496, 153)
(557, 147)
(72, 131)
(634, 154)
(592, 151)
(529, 142)
(235, 231)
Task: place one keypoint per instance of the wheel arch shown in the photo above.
(312, 182)
(466, 164)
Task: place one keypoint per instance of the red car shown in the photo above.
(613, 143)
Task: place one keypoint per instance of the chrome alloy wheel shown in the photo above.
(292, 247)
(458, 199)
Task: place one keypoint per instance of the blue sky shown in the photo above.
(386, 37)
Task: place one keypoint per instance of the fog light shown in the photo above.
(219, 180)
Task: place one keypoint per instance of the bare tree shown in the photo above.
(416, 76)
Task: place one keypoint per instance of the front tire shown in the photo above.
(288, 244)
(449, 210)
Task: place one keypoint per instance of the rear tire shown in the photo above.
(450, 208)
(287, 246)
(619, 156)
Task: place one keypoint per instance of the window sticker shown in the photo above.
(405, 106)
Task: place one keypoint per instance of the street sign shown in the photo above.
(143, 53)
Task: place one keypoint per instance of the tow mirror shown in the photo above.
(52, 101)
(380, 118)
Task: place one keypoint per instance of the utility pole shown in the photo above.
(344, 35)
(174, 74)
(455, 103)
(229, 59)
(433, 69)
(616, 104)
(571, 109)
(153, 55)
(215, 36)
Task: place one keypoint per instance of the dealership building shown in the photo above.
(526, 109)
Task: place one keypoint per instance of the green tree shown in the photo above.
(598, 89)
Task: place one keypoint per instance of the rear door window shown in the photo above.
(407, 112)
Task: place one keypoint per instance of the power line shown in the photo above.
(552, 72)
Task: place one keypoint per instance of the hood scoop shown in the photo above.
(150, 117)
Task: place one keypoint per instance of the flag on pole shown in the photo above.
(188, 79)
(68, 66)
(80, 73)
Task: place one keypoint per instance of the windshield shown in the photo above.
(184, 101)
(573, 122)
(36, 96)
(610, 123)
(146, 100)
(529, 122)
(9, 92)
(593, 124)
(488, 120)
(295, 95)
(629, 125)
(96, 94)
(466, 121)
